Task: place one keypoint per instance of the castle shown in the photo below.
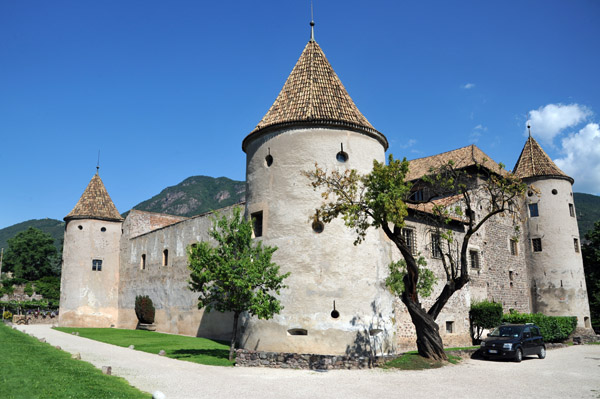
(336, 301)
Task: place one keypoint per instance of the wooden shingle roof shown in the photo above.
(462, 158)
(313, 94)
(534, 162)
(95, 203)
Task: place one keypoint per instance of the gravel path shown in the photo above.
(572, 372)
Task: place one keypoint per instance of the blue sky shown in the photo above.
(167, 90)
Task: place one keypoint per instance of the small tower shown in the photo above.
(335, 302)
(553, 248)
(90, 270)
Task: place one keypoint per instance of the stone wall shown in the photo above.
(155, 264)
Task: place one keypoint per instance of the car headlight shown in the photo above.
(482, 344)
(507, 346)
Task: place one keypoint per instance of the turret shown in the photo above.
(336, 302)
(90, 269)
(553, 245)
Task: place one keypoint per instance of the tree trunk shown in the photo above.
(429, 342)
(236, 317)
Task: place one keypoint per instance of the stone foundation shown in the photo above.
(247, 358)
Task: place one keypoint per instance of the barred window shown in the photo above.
(410, 238)
(436, 243)
(474, 256)
(537, 244)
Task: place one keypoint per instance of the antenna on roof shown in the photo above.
(98, 164)
(312, 23)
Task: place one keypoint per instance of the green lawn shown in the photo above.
(412, 361)
(192, 349)
(31, 369)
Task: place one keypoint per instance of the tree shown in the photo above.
(31, 255)
(235, 275)
(382, 198)
(591, 266)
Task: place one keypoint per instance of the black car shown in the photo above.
(514, 341)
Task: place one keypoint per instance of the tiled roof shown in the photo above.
(95, 203)
(462, 157)
(313, 94)
(534, 161)
(427, 207)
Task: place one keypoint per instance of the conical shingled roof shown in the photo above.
(95, 203)
(534, 162)
(313, 94)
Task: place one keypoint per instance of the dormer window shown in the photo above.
(417, 195)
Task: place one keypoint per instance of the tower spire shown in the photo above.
(529, 129)
(312, 24)
(98, 164)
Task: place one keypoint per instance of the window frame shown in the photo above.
(435, 251)
(411, 241)
(533, 208)
(533, 244)
(96, 265)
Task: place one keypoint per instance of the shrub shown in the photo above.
(553, 328)
(144, 309)
(7, 315)
(28, 289)
(482, 315)
(48, 287)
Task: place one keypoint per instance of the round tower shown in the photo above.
(553, 248)
(336, 301)
(90, 268)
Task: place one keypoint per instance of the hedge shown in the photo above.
(482, 315)
(553, 328)
(14, 306)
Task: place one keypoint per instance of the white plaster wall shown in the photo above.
(557, 271)
(324, 267)
(90, 298)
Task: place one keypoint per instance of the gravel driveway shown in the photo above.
(572, 372)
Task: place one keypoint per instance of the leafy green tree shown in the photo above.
(381, 199)
(31, 254)
(235, 274)
(484, 315)
(591, 267)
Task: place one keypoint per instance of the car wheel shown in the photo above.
(542, 353)
(519, 355)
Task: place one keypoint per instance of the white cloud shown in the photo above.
(582, 158)
(467, 86)
(549, 121)
(477, 133)
(408, 144)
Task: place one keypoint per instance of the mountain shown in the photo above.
(56, 228)
(196, 195)
(587, 208)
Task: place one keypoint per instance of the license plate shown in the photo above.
(493, 351)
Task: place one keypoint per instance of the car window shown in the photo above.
(526, 330)
(505, 331)
(535, 331)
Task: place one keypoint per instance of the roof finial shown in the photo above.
(98, 164)
(312, 23)
(529, 128)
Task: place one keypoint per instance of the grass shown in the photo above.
(32, 369)
(191, 349)
(412, 361)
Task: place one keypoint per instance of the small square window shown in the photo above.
(474, 256)
(514, 249)
(449, 327)
(572, 210)
(537, 244)
(410, 239)
(436, 246)
(97, 265)
(576, 244)
(533, 210)
(257, 223)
